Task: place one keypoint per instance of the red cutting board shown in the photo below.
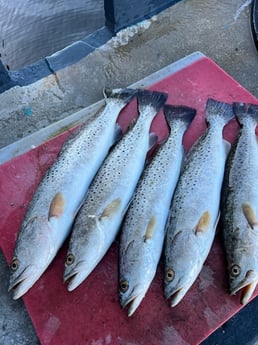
(91, 314)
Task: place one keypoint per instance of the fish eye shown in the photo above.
(235, 270)
(69, 259)
(170, 275)
(124, 285)
(14, 264)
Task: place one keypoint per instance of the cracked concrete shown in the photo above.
(188, 26)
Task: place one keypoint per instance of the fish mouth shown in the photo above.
(247, 285)
(175, 295)
(132, 302)
(21, 284)
(74, 277)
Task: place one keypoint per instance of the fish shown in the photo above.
(143, 230)
(194, 211)
(60, 193)
(110, 193)
(239, 205)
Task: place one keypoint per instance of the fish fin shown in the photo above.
(110, 209)
(152, 99)
(172, 113)
(227, 146)
(249, 215)
(150, 229)
(57, 206)
(131, 124)
(244, 110)
(218, 109)
(118, 133)
(153, 139)
(203, 222)
(125, 95)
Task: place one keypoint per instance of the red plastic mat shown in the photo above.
(91, 314)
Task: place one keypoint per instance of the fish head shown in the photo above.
(136, 275)
(183, 263)
(83, 254)
(243, 275)
(132, 292)
(31, 257)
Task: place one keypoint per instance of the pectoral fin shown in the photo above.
(203, 223)
(150, 229)
(249, 215)
(57, 206)
(110, 209)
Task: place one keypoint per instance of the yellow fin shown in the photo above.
(56, 206)
(111, 209)
(203, 223)
(249, 215)
(150, 229)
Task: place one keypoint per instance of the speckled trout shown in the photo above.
(99, 219)
(143, 230)
(239, 205)
(194, 210)
(56, 201)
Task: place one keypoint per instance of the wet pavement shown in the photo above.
(221, 32)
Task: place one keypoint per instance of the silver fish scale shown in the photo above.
(73, 157)
(241, 188)
(116, 170)
(109, 195)
(160, 170)
(56, 201)
(199, 167)
(143, 230)
(195, 206)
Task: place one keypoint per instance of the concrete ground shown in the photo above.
(218, 30)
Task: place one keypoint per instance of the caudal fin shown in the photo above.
(215, 109)
(245, 110)
(152, 99)
(183, 113)
(125, 95)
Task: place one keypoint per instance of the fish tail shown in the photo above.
(125, 95)
(216, 109)
(183, 113)
(153, 99)
(244, 110)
